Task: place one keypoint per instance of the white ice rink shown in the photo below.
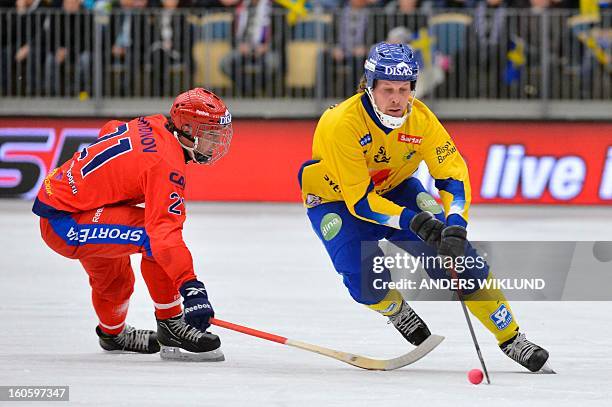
(264, 268)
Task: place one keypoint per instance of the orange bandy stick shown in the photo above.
(248, 331)
(356, 360)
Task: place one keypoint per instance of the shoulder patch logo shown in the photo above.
(313, 200)
(365, 140)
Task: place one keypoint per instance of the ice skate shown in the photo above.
(181, 341)
(526, 353)
(129, 340)
(410, 325)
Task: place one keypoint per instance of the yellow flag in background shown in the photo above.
(297, 9)
(423, 43)
(589, 7)
(590, 41)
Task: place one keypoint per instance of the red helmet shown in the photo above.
(201, 117)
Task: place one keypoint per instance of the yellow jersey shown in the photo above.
(356, 159)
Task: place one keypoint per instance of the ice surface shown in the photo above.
(264, 268)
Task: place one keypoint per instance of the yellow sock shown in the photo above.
(389, 305)
(490, 306)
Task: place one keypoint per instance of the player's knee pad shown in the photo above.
(389, 305)
(118, 287)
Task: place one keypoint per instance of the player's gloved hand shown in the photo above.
(427, 227)
(197, 308)
(453, 241)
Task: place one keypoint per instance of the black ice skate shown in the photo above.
(410, 325)
(526, 353)
(181, 341)
(129, 340)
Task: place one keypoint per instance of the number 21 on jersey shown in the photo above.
(114, 146)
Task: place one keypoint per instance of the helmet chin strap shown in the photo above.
(190, 150)
(186, 148)
(389, 121)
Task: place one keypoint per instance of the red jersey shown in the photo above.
(131, 163)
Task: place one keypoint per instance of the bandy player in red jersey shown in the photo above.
(88, 211)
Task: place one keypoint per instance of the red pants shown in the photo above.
(102, 240)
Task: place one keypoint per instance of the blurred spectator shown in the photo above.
(538, 6)
(89, 4)
(544, 4)
(254, 61)
(404, 13)
(350, 51)
(131, 30)
(535, 5)
(490, 20)
(212, 3)
(490, 28)
(525, 50)
(402, 6)
(352, 32)
(20, 49)
(121, 27)
(458, 3)
(566, 3)
(326, 5)
(399, 35)
(69, 35)
(170, 49)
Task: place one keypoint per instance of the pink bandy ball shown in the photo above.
(475, 376)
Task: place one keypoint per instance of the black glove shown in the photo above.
(197, 308)
(453, 241)
(427, 227)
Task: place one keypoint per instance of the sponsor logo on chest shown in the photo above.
(407, 138)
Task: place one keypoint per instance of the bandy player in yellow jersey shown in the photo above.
(359, 187)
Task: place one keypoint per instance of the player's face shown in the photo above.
(211, 142)
(392, 97)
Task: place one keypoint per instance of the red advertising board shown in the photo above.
(509, 162)
(537, 162)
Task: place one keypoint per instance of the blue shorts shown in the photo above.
(342, 235)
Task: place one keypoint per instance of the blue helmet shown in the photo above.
(391, 62)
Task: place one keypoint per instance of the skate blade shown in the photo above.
(546, 369)
(173, 353)
(126, 352)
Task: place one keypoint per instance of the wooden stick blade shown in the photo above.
(362, 362)
(367, 363)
